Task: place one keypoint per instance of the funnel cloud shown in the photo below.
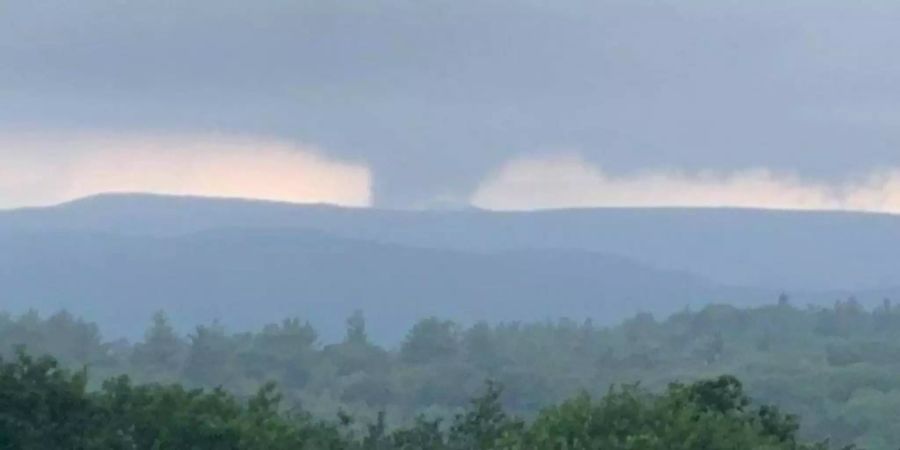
(433, 96)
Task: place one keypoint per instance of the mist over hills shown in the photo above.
(246, 278)
(118, 258)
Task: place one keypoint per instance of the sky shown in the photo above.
(499, 104)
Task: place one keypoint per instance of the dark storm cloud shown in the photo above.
(434, 95)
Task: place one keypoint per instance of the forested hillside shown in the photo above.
(249, 277)
(835, 367)
(45, 407)
(117, 259)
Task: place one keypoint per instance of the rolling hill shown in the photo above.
(118, 258)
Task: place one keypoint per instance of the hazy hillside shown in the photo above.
(247, 277)
(119, 258)
(772, 249)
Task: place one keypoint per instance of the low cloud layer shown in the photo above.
(571, 182)
(41, 169)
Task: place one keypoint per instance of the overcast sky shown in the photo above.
(489, 102)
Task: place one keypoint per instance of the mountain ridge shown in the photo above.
(257, 276)
(792, 250)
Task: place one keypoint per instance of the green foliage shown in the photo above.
(486, 425)
(162, 351)
(210, 357)
(430, 340)
(835, 367)
(710, 414)
(45, 407)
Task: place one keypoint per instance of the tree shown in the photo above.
(486, 425)
(356, 353)
(356, 329)
(43, 406)
(480, 348)
(209, 361)
(709, 414)
(429, 340)
(285, 352)
(162, 351)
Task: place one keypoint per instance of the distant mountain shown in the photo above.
(119, 258)
(769, 249)
(248, 277)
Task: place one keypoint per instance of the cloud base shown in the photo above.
(43, 169)
(568, 181)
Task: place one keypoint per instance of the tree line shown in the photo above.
(44, 406)
(835, 367)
